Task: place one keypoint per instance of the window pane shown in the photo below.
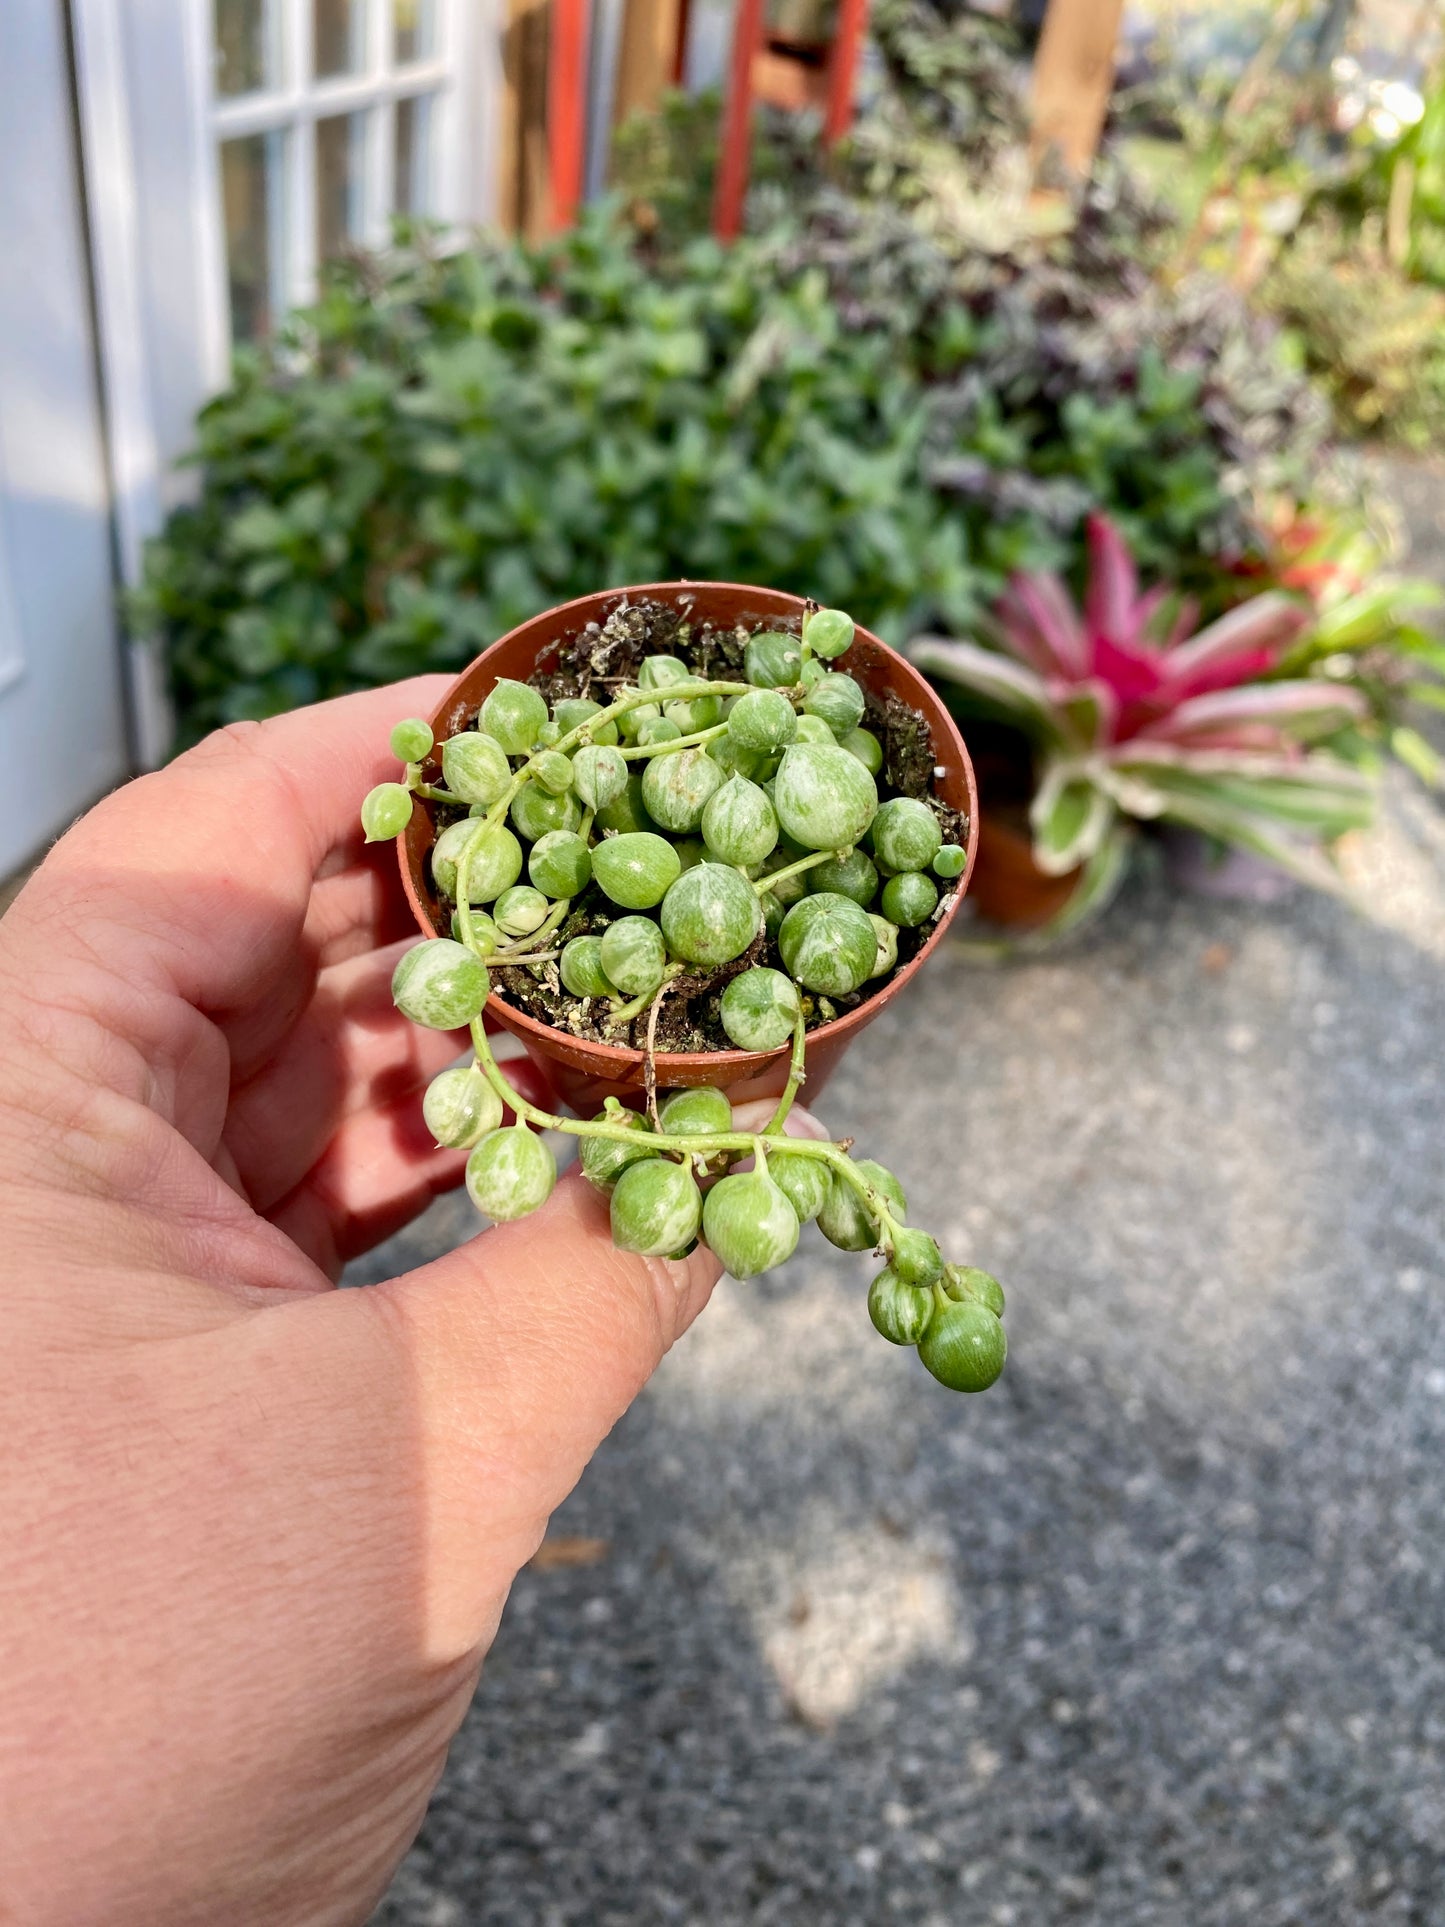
(340, 174)
(245, 46)
(415, 28)
(412, 190)
(252, 200)
(339, 41)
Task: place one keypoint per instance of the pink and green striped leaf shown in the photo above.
(1303, 711)
(1040, 626)
(1245, 643)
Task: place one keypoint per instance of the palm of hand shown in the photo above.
(259, 1532)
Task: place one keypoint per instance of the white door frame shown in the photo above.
(63, 735)
(108, 165)
(150, 125)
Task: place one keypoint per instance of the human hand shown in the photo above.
(256, 1534)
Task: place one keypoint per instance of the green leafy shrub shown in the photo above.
(861, 401)
(948, 116)
(664, 164)
(444, 447)
(1045, 333)
(1408, 181)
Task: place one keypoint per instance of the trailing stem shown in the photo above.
(736, 1144)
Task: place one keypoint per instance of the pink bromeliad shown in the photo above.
(1135, 714)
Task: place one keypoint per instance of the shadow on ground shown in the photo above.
(1154, 1632)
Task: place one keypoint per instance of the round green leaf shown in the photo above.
(676, 786)
(749, 1224)
(656, 1208)
(710, 915)
(905, 835)
(824, 797)
(513, 713)
(759, 1009)
(510, 1173)
(440, 984)
(475, 767)
(633, 955)
(828, 944)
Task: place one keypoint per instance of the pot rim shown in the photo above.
(621, 1059)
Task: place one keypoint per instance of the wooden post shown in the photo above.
(567, 108)
(645, 64)
(1073, 77)
(843, 68)
(737, 123)
(522, 189)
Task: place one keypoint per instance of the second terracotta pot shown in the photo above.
(584, 1072)
(1009, 889)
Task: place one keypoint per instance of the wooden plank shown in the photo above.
(522, 190)
(1073, 77)
(737, 126)
(782, 80)
(647, 58)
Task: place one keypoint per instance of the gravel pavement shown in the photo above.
(1154, 1632)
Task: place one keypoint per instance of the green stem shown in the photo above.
(676, 742)
(763, 884)
(796, 1075)
(521, 950)
(874, 1203)
(624, 1013)
(737, 1143)
(679, 692)
(464, 905)
(583, 732)
(888, 1228)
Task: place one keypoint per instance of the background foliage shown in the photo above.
(1295, 183)
(860, 401)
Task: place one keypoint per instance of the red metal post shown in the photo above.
(843, 68)
(567, 108)
(737, 125)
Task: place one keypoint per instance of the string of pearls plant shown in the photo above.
(703, 815)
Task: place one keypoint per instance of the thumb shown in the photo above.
(524, 1347)
(531, 1341)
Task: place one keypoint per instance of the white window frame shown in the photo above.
(301, 100)
(150, 127)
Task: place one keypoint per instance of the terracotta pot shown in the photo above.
(584, 1072)
(1008, 886)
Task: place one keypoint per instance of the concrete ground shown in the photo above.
(1154, 1632)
